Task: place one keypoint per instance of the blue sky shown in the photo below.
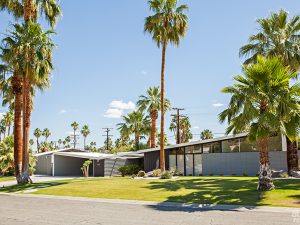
(103, 56)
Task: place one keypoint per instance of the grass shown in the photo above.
(6, 178)
(208, 190)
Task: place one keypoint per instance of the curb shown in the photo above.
(163, 204)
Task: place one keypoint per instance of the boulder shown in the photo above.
(295, 174)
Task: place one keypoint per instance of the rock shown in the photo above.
(277, 173)
(295, 174)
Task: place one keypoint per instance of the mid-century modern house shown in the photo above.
(229, 155)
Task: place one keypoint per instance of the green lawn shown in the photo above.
(6, 178)
(210, 190)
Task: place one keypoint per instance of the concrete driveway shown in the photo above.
(35, 179)
(34, 209)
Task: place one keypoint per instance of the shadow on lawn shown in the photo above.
(206, 191)
(20, 188)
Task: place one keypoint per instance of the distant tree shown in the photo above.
(151, 103)
(206, 134)
(85, 131)
(134, 123)
(46, 133)
(8, 118)
(75, 127)
(59, 142)
(185, 133)
(37, 133)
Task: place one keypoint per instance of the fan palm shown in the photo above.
(167, 25)
(7, 155)
(151, 103)
(59, 142)
(255, 101)
(206, 134)
(185, 133)
(46, 133)
(37, 133)
(29, 50)
(134, 123)
(278, 36)
(85, 131)
(75, 127)
(30, 9)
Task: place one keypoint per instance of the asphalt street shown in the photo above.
(18, 209)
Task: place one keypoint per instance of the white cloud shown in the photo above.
(62, 111)
(113, 113)
(196, 127)
(217, 104)
(144, 72)
(119, 104)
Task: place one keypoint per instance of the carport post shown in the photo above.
(52, 162)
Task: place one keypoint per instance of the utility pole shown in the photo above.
(177, 115)
(107, 130)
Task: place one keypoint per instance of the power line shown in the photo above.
(107, 130)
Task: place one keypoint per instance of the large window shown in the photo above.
(189, 164)
(198, 164)
(232, 145)
(246, 146)
(180, 163)
(172, 162)
(212, 147)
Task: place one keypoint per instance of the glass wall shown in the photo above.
(180, 163)
(246, 146)
(198, 164)
(232, 145)
(189, 171)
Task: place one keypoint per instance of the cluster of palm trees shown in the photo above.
(26, 54)
(142, 122)
(65, 143)
(263, 100)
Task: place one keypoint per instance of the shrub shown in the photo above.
(133, 176)
(141, 173)
(245, 174)
(156, 173)
(129, 170)
(166, 175)
(284, 175)
(177, 173)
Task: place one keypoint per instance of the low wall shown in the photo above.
(239, 163)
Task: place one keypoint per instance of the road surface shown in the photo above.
(19, 209)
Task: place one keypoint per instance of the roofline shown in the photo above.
(195, 142)
(58, 150)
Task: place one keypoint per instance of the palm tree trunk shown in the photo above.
(84, 143)
(26, 127)
(153, 115)
(162, 118)
(37, 145)
(136, 140)
(8, 132)
(18, 142)
(292, 156)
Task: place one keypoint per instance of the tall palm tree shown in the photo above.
(75, 127)
(37, 133)
(2, 129)
(167, 25)
(29, 10)
(255, 100)
(206, 134)
(134, 123)
(30, 50)
(151, 103)
(46, 133)
(85, 131)
(278, 35)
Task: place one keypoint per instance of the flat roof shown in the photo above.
(195, 142)
(60, 150)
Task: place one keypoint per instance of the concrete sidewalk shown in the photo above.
(36, 179)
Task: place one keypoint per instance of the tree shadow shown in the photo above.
(20, 188)
(204, 193)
